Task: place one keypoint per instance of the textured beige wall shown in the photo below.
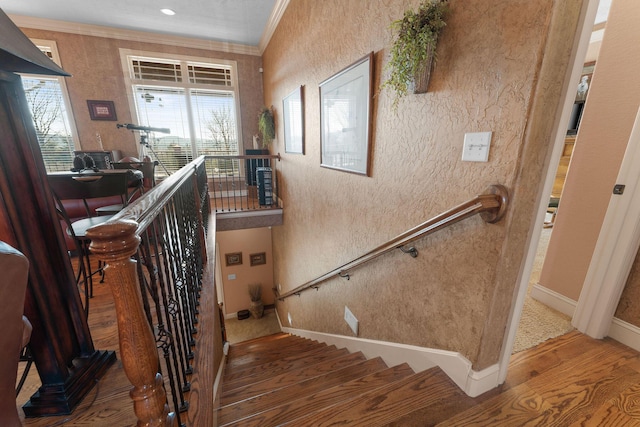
(236, 292)
(96, 69)
(501, 67)
(613, 100)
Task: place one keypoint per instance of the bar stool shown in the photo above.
(86, 186)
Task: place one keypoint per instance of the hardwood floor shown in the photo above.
(572, 380)
(108, 403)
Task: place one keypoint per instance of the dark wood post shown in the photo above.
(61, 344)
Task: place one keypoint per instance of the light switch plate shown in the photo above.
(476, 146)
(231, 277)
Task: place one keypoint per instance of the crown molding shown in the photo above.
(131, 35)
(272, 24)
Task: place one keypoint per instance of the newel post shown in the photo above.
(115, 244)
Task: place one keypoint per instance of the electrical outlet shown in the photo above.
(351, 320)
(231, 277)
(476, 146)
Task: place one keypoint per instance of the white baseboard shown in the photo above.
(454, 364)
(553, 299)
(626, 333)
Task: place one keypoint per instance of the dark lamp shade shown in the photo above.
(19, 55)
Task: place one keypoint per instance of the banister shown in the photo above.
(491, 206)
(155, 251)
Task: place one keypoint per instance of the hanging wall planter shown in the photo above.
(266, 126)
(420, 81)
(414, 49)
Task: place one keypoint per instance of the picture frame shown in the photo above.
(585, 81)
(345, 118)
(102, 110)
(258, 259)
(293, 116)
(233, 258)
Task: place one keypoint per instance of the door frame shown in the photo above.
(588, 15)
(615, 249)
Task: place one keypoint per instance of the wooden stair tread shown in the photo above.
(236, 351)
(288, 378)
(385, 404)
(240, 373)
(298, 390)
(259, 344)
(267, 370)
(341, 393)
(260, 357)
(262, 339)
(236, 371)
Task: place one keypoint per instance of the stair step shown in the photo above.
(245, 408)
(342, 394)
(268, 355)
(243, 349)
(267, 370)
(262, 339)
(257, 344)
(288, 378)
(385, 404)
(233, 372)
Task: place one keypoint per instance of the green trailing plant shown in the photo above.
(416, 36)
(266, 126)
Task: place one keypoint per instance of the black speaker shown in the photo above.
(101, 159)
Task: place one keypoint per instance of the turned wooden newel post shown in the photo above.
(115, 243)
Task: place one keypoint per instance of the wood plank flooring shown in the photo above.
(572, 380)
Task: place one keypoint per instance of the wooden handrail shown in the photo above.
(491, 206)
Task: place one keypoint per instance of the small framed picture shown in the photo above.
(102, 110)
(234, 258)
(293, 112)
(258, 259)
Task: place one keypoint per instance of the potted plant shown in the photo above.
(256, 307)
(414, 48)
(266, 125)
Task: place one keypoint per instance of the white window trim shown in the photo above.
(63, 86)
(129, 83)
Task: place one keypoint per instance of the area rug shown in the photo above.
(539, 322)
(247, 329)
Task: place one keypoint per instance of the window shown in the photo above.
(192, 97)
(47, 100)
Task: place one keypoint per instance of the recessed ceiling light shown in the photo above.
(168, 12)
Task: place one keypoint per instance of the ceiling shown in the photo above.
(235, 21)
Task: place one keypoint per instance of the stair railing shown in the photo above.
(236, 183)
(155, 250)
(491, 206)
